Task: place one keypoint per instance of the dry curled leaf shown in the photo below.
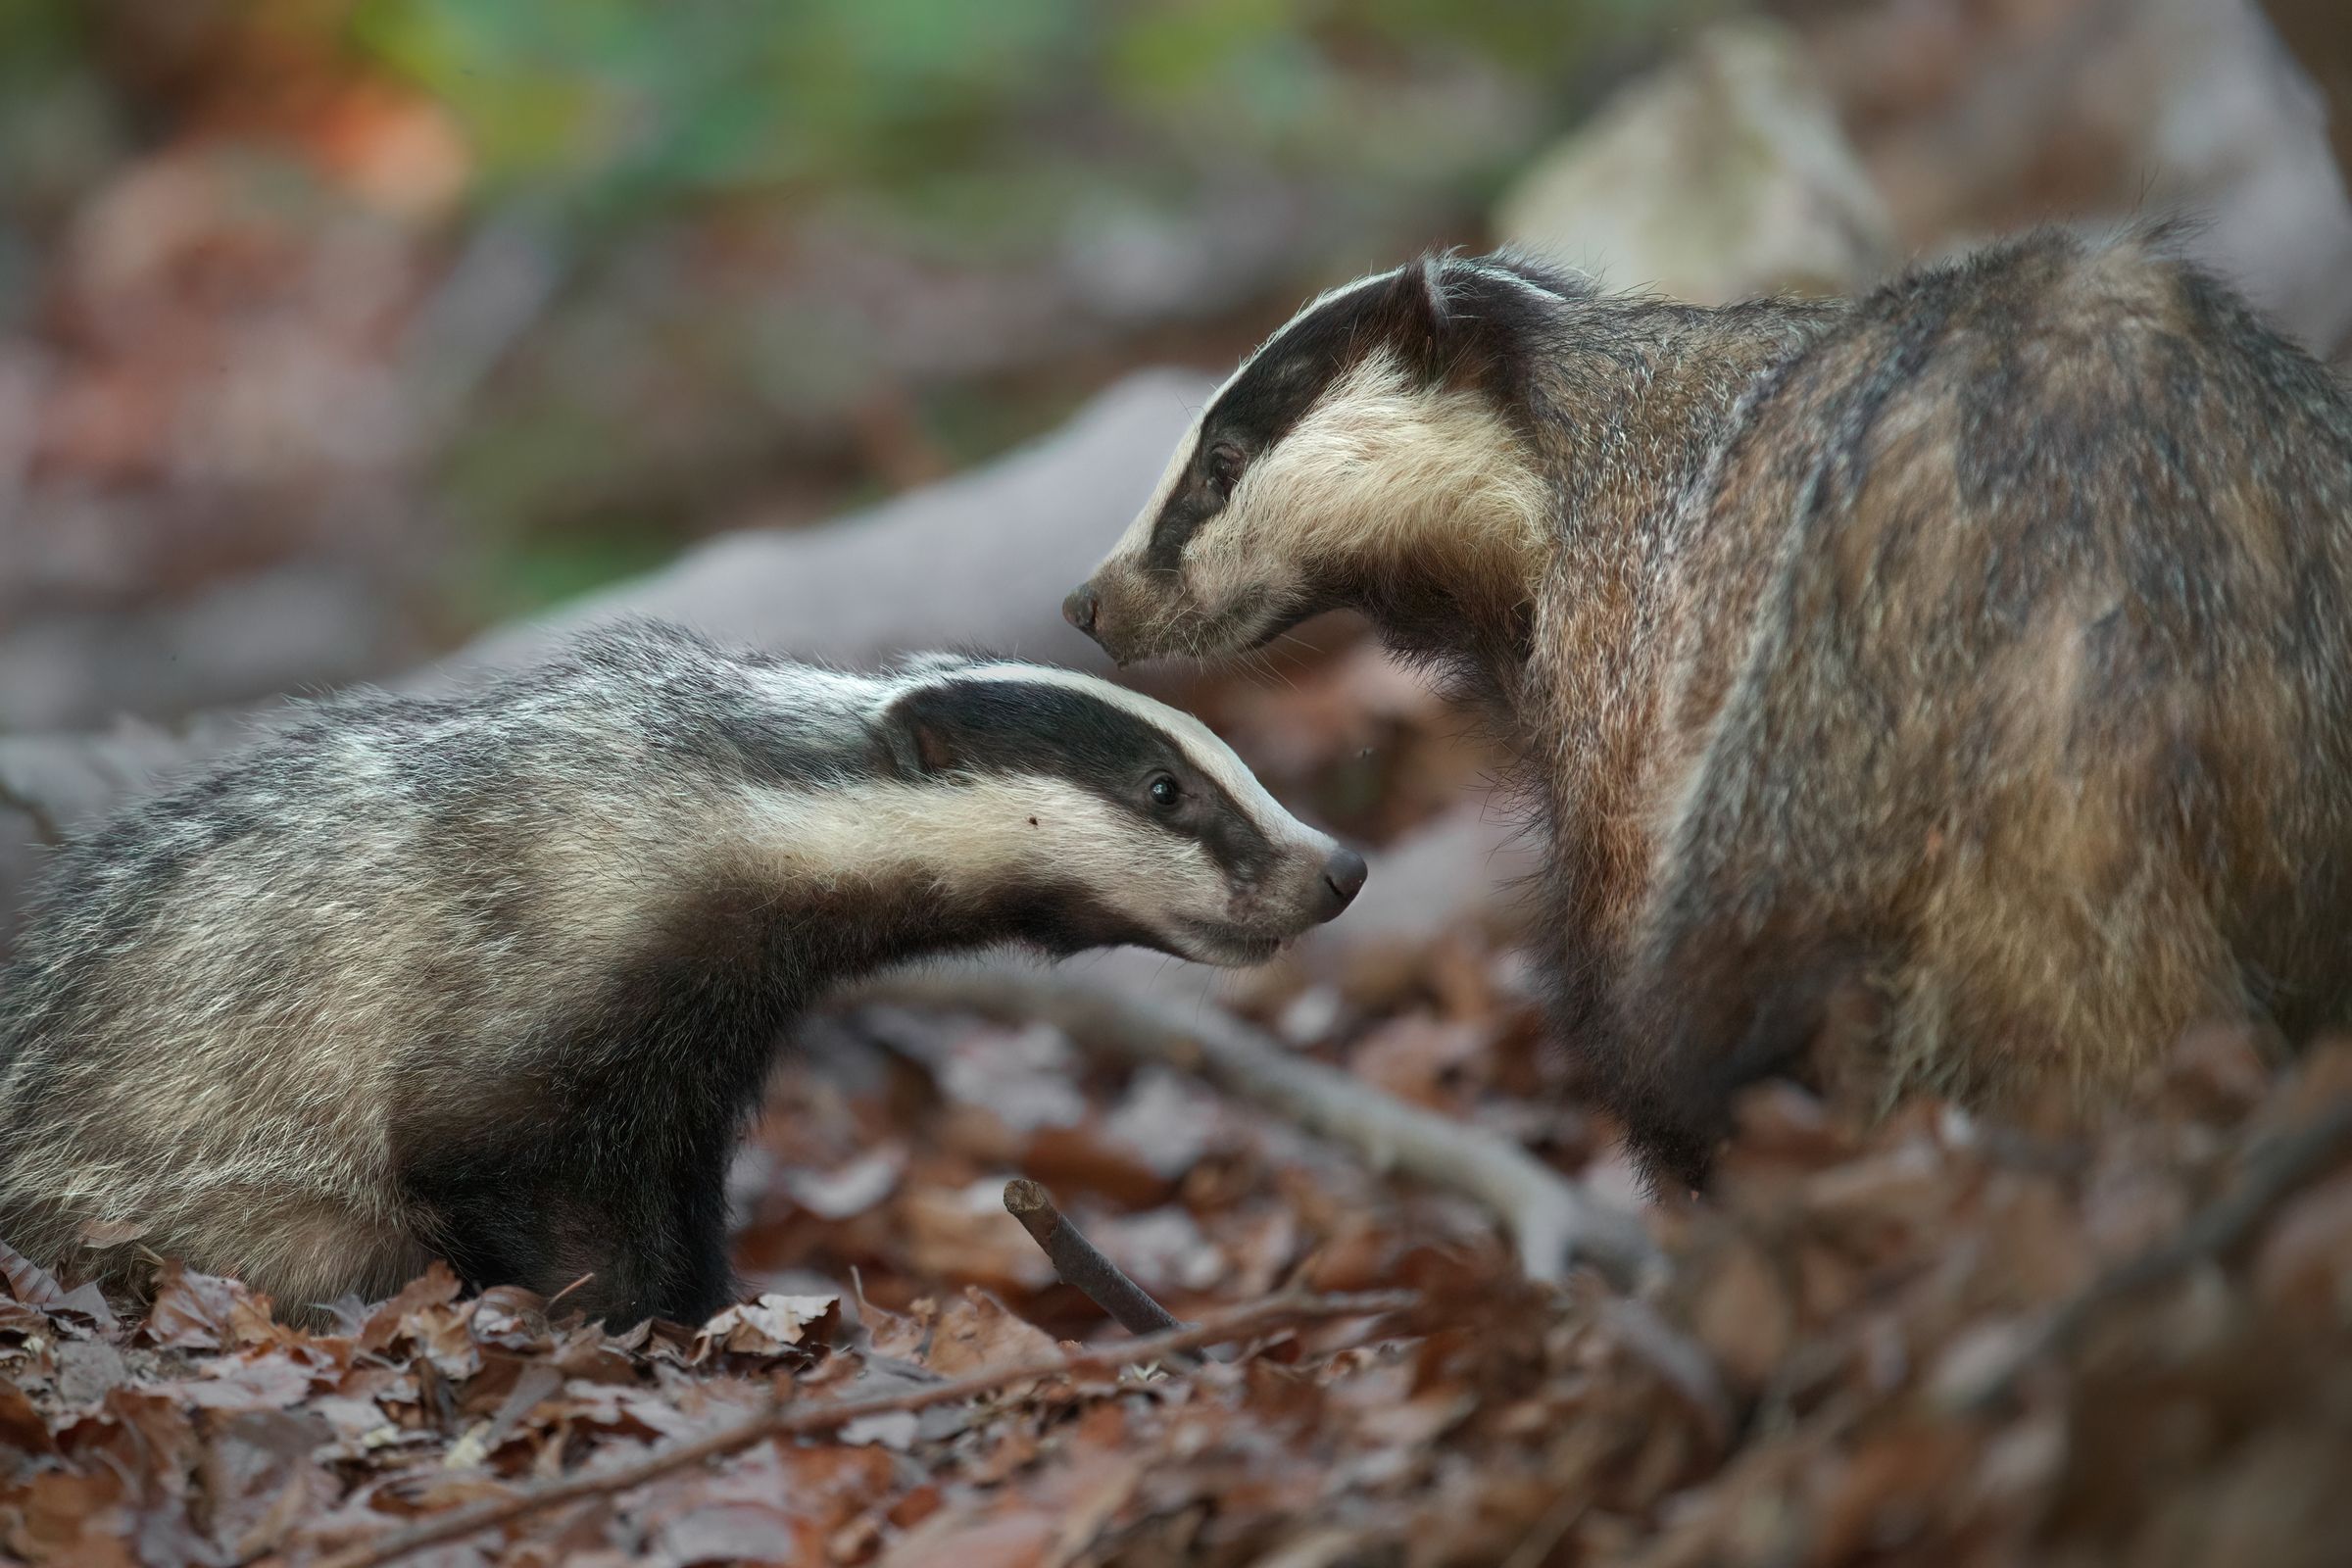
(35, 1286)
(765, 1327)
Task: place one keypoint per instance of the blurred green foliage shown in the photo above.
(953, 133)
(60, 120)
(713, 95)
(618, 102)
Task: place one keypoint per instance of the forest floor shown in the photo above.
(1935, 1339)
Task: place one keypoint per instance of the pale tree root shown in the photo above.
(1553, 1221)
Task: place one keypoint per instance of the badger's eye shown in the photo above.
(1224, 469)
(1164, 791)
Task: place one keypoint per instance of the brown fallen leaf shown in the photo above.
(35, 1286)
(27, 1279)
(964, 1234)
(765, 1327)
(194, 1312)
(976, 1331)
(259, 1477)
(437, 1286)
(1412, 1057)
(21, 1427)
(1744, 1316)
(2304, 1264)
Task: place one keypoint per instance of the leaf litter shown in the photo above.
(1920, 1339)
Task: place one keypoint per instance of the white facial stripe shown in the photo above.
(886, 828)
(1333, 295)
(972, 833)
(1138, 537)
(1380, 461)
(1200, 744)
(1327, 297)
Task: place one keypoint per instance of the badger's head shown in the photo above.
(1371, 455)
(1071, 813)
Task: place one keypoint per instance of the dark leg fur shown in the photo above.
(653, 1246)
(621, 1173)
(701, 1281)
(1714, 1015)
(623, 1181)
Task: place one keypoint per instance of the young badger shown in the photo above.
(497, 977)
(1959, 673)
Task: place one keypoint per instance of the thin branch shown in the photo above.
(1680, 1361)
(1286, 1310)
(1534, 1548)
(1553, 1221)
(1081, 1264)
(2273, 1170)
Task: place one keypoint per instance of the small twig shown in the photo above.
(1534, 1548)
(2273, 1170)
(1081, 1264)
(1682, 1361)
(1553, 1221)
(1287, 1309)
(549, 1309)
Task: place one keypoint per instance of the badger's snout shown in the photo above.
(1343, 879)
(1085, 610)
(1315, 884)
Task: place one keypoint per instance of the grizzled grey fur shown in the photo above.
(497, 977)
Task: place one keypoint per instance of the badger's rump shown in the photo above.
(2009, 644)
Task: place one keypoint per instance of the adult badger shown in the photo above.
(497, 977)
(1965, 665)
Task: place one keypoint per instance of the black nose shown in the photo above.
(1344, 878)
(1079, 609)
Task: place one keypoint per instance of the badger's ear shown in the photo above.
(1435, 302)
(1422, 305)
(916, 735)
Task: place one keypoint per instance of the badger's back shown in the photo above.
(2000, 681)
(234, 997)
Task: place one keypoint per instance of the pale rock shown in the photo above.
(1721, 176)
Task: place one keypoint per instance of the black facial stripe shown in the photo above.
(1006, 727)
(1234, 843)
(1190, 508)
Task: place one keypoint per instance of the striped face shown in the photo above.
(1363, 438)
(1096, 818)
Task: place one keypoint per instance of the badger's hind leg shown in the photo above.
(2036, 926)
(1710, 1007)
(2000, 987)
(2063, 949)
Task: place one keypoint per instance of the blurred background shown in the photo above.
(336, 332)
(350, 340)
